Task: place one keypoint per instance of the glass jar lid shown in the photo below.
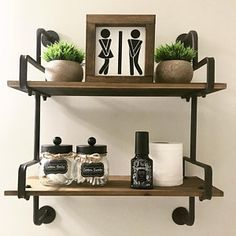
(57, 147)
(91, 148)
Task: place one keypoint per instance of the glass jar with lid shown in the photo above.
(56, 164)
(91, 163)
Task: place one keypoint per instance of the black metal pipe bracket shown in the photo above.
(43, 215)
(46, 38)
(24, 60)
(43, 37)
(191, 40)
(182, 216)
(22, 178)
(207, 186)
(23, 167)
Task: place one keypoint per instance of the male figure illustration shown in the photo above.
(106, 52)
(134, 50)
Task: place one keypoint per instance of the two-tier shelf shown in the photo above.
(117, 185)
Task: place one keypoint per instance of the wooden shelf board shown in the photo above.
(116, 186)
(116, 89)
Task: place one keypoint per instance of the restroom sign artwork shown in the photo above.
(120, 51)
(120, 48)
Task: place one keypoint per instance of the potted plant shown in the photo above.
(174, 63)
(63, 62)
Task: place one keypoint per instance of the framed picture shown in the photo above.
(120, 48)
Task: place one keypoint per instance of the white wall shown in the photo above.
(113, 121)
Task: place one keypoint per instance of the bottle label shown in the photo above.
(55, 167)
(92, 169)
(141, 174)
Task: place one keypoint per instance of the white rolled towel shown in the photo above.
(167, 163)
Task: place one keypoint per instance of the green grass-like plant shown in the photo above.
(174, 51)
(63, 51)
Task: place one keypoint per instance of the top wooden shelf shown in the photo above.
(118, 89)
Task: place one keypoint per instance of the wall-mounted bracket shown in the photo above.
(23, 167)
(43, 215)
(43, 37)
(182, 216)
(22, 179)
(46, 38)
(191, 40)
(24, 61)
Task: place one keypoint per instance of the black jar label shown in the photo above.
(55, 167)
(92, 169)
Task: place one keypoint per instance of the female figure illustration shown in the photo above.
(106, 52)
(134, 50)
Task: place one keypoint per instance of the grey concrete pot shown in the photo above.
(64, 71)
(174, 71)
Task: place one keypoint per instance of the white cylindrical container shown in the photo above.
(167, 163)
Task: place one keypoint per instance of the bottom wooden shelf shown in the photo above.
(116, 186)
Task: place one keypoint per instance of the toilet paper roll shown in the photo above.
(167, 163)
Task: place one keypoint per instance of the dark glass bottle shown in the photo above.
(141, 164)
